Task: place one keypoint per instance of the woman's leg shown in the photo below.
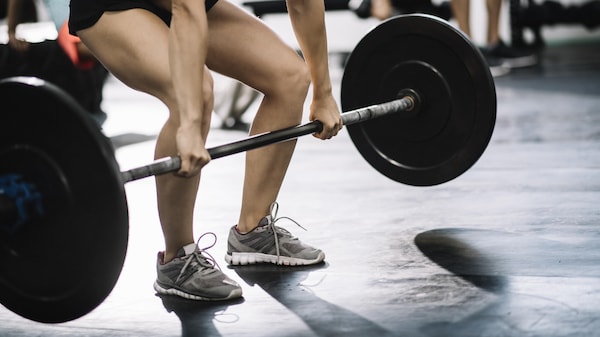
(133, 45)
(461, 10)
(242, 47)
(381, 9)
(494, 8)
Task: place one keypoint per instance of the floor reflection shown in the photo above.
(198, 317)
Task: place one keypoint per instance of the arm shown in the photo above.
(308, 21)
(13, 15)
(187, 58)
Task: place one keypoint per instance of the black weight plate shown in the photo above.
(62, 265)
(47, 194)
(457, 114)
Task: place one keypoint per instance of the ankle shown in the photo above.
(171, 252)
(166, 257)
(248, 224)
(244, 229)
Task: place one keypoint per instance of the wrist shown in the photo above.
(322, 92)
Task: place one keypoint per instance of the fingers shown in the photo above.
(325, 110)
(193, 153)
(192, 165)
(331, 130)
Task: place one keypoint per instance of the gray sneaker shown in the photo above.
(194, 274)
(268, 243)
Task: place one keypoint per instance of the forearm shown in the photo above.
(308, 21)
(187, 56)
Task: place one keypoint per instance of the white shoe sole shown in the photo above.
(176, 292)
(242, 259)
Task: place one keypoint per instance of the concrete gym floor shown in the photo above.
(510, 248)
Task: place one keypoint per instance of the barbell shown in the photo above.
(420, 106)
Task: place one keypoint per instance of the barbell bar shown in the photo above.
(59, 167)
(407, 103)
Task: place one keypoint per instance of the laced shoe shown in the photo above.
(268, 243)
(497, 66)
(194, 274)
(511, 57)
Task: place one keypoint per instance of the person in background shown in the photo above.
(500, 57)
(496, 51)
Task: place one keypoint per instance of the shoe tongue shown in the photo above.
(186, 250)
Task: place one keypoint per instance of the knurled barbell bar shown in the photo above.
(62, 194)
(408, 102)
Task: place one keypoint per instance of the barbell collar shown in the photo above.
(173, 164)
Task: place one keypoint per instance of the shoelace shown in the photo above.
(201, 256)
(273, 214)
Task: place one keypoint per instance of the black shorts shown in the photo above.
(85, 13)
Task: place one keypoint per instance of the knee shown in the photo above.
(299, 82)
(291, 86)
(207, 103)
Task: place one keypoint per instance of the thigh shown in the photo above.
(242, 47)
(133, 45)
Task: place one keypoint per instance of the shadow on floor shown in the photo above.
(285, 285)
(198, 317)
(541, 287)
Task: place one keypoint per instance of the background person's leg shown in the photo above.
(461, 10)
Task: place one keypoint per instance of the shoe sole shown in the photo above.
(520, 62)
(242, 259)
(498, 71)
(236, 293)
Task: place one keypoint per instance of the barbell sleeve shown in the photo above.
(406, 103)
(173, 164)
